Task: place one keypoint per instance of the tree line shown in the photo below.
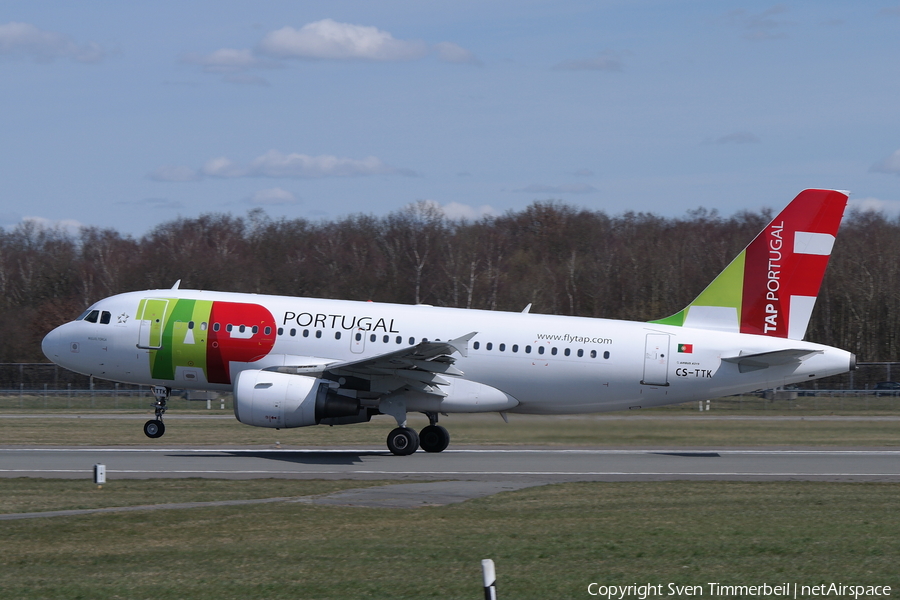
(559, 258)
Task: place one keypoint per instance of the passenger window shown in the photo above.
(267, 331)
(386, 339)
(489, 346)
(190, 324)
(476, 345)
(203, 326)
(540, 349)
(502, 347)
(567, 352)
(553, 351)
(281, 331)
(337, 335)
(412, 341)
(515, 348)
(606, 354)
(229, 327)
(527, 349)
(580, 353)
(216, 326)
(293, 332)
(306, 333)
(105, 317)
(319, 334)
(358, 337)
(242, 328)
(255, 329)
(399, 340)
(92, 316)
(593, 354)
(372, 337)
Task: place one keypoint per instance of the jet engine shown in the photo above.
(270, 399)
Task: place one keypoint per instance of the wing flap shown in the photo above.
(417, 367)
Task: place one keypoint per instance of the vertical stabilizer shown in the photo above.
(771, 287)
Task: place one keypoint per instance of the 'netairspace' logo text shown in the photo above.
(720, 590)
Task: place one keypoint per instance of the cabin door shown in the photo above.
(656, 360)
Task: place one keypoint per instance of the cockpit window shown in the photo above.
(105, 317)
(92, 316)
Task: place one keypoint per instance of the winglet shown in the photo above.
(771, 287)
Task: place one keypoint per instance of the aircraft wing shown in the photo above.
(764, 360)
(418, 367)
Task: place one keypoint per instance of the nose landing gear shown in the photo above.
(155, 428)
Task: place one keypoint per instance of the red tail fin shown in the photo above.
(771, 287)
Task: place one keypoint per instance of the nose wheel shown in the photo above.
(155, 428)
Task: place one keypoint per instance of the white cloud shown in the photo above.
(328, 39)
(451, 53)
(762, 26)
(174, 173)
(889, 165)
(273, 197)
(245, 79)
(456, 211)
(69, 225)
(24, 39)
(737, 137)
(224, 60)
(155, 203)
(275, 164)
(571, 188)
(223, 167)
(875, 205)
(606, 61)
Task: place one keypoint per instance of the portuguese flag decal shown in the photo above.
(686, 348)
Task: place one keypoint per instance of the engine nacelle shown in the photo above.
(281, 400)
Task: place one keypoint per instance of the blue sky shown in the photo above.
(126, 115)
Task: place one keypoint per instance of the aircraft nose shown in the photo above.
(50, 345)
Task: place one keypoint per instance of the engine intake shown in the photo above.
(281, 400)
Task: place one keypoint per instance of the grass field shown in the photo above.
(547, 542)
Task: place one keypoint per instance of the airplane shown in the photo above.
(297, 362)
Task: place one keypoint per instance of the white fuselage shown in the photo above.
(548, 364)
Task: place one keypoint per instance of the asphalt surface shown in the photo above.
(527, 465)
(448, 477)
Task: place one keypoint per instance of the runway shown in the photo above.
(523, 465)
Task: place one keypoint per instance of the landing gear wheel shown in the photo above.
(154, 428)
(403, 441)
(434, 438)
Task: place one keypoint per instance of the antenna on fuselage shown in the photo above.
(177, 283)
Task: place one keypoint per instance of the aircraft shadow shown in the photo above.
(691, 454)
(304, 458)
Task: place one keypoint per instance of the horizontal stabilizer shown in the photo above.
(764, 360)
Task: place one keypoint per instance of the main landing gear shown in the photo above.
(155, 428)
(403, 441)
